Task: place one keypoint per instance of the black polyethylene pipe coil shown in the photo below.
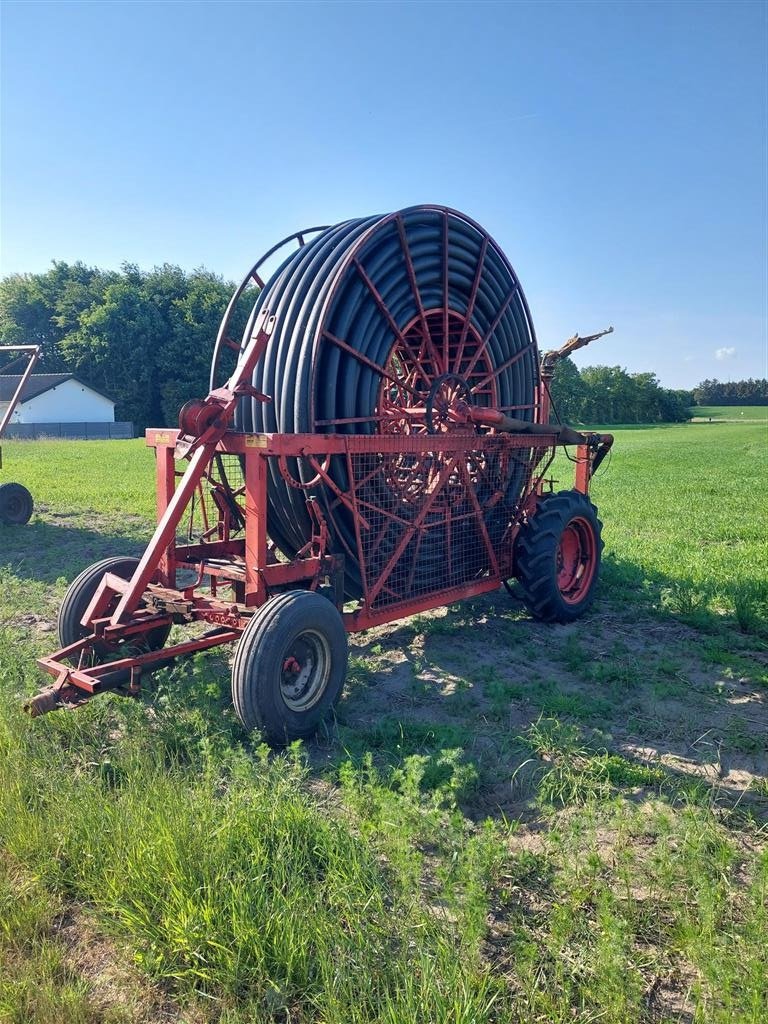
(378, 285)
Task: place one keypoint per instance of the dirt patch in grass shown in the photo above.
(113, 983)
(668, 997)
(57, 963)
(478, 675)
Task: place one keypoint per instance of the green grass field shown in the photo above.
(734, 413)
(507, 821)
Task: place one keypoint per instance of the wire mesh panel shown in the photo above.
(217, 509)
(412, 516)
(433, 520)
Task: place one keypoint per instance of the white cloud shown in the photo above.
(725, 353)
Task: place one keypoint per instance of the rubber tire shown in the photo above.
(536, 549)
(259, 659)
(16, 505)
(81, 591)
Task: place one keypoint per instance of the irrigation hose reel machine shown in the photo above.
(377, 446)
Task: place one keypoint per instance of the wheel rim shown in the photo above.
(576, 560)
(306, 667)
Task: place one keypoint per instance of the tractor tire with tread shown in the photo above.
(80, 594)
(289, 666)
(16, 505)
(557, 556)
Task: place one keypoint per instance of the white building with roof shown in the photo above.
(55, 398)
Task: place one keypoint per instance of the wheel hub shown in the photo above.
(448, 404)
(442, 361)
(305, 670)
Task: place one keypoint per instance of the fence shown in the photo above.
(72, 431)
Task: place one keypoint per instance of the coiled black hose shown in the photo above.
(369, 314)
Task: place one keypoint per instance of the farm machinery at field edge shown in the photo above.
(16, 504)
(357, 466)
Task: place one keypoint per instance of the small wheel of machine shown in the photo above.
(16, 505)
(289, 666)
(80, 594)
(557, 557)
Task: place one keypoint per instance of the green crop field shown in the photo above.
(735, 413)
(506, 822)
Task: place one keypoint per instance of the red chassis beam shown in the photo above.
(260, 572)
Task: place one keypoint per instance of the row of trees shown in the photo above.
(608, 394)
(144, 339)
(731, 392)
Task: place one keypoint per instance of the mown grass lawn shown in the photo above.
(734, 413)
(507, 822)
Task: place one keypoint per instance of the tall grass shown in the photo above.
(386, 885)
(230, 881)
(228, 877)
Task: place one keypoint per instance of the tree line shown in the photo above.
(145, 339)
(608, 394)
(731, 392)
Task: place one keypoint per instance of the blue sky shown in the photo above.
(617, 152)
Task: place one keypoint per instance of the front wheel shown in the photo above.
(289, 666)
(16, 505)
(557, 557)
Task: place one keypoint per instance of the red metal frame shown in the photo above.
(233, 553)
(32, 352)
(247, 569)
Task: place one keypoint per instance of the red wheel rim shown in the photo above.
(576, 560)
